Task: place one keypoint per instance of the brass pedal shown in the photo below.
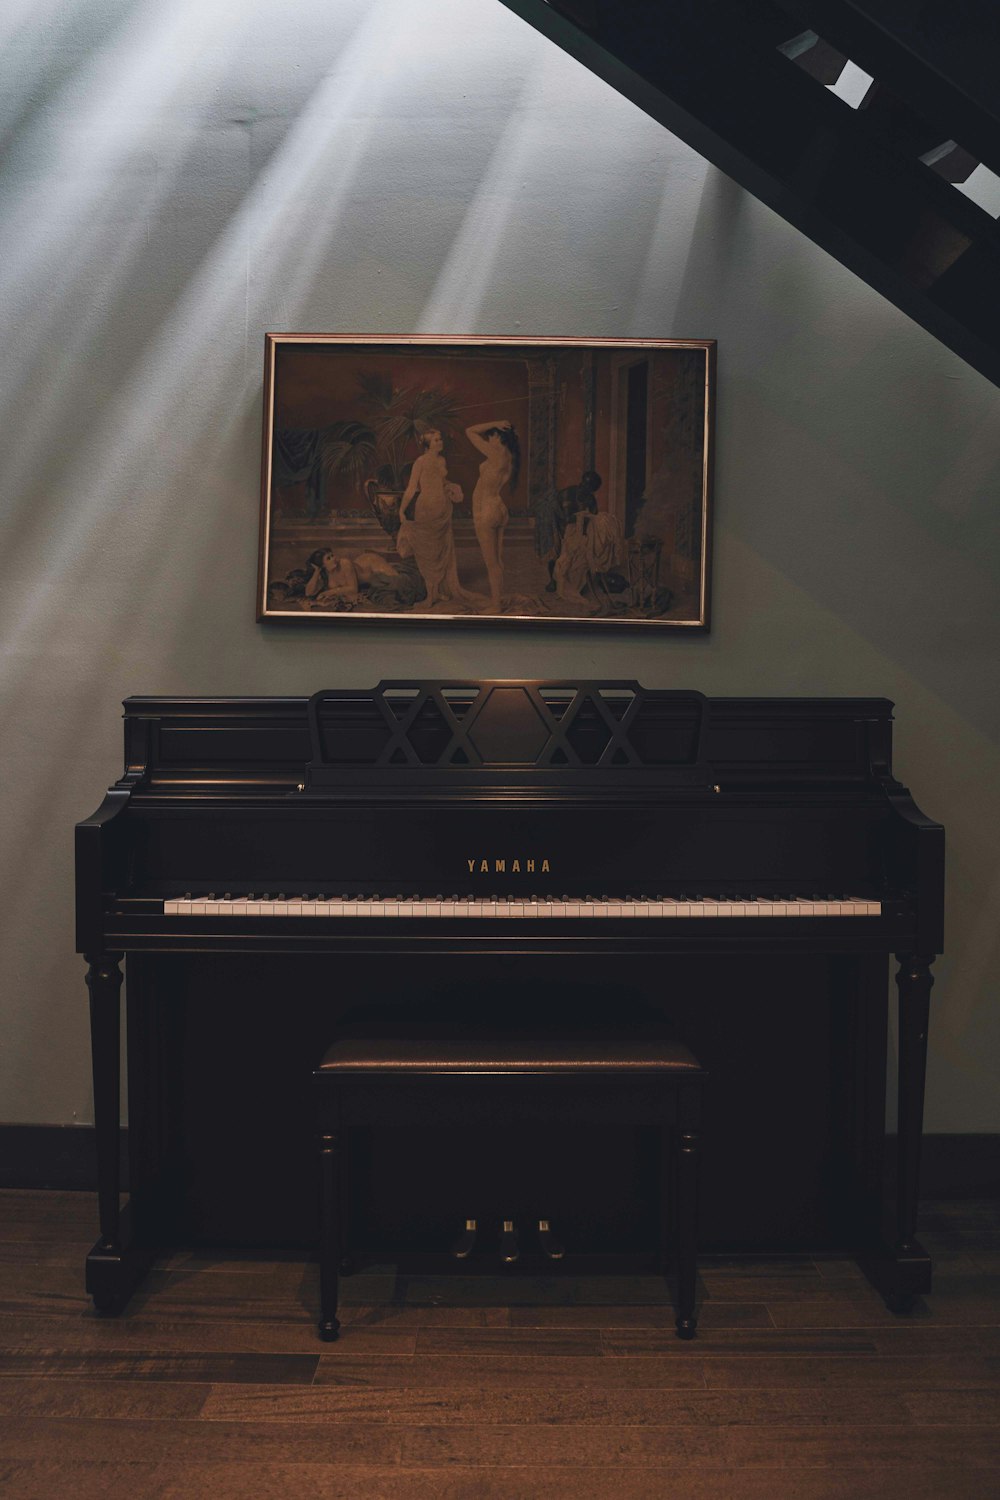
(509, 1251)
(466, 1242)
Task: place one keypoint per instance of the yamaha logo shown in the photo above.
(497, 866)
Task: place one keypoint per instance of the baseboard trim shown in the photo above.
(53, 1156)
(65, 1157)
(955, 1166)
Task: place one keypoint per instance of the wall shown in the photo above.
(182, 176)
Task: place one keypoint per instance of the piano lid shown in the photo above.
(450, 735)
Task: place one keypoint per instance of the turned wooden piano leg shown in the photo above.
(331, 1233)
(104, 980)
(113, 1267)
(914, 980)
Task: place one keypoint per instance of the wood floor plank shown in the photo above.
(759, 1265)
(867, 1372)
(510, 1482)
(42, 1289)
(596, 1405)
(945, 1407)
(45, 1217)
(68, 1252)
(137, 1365)
(926, 1338)
(970, 1303)
(31, 1439)
(559, 1343)
(236, 1481)
(531, 1291)
(499, 1371)
(711, 1315)
(730, 1286)
(425, 1317)
(230, 1260)
(45, 1478)
(201, 1286)
(121, 1398)
(190, 1336)
(631, 1342)
(865, 1448)
(961, 1241)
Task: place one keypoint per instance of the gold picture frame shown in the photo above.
(545, 481)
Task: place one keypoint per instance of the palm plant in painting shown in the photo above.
(377, 452)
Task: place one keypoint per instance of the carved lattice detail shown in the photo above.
(565, 724)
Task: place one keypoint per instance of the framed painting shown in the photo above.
(502, 480)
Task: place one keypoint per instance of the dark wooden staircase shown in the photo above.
(873, 126)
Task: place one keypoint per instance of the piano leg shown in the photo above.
(914, 980)
(114, 1266)
(901, 1270)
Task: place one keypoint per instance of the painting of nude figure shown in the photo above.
(551, 481)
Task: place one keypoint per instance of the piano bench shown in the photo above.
(386, 1080)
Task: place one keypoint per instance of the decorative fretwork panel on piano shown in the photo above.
(564, 725)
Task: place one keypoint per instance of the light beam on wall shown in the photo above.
(69, 256)
(163, 409)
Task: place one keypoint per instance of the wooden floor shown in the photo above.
(800, 1384)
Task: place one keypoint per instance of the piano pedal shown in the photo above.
(466, 1242)
(509, 1252)
(551, 1247)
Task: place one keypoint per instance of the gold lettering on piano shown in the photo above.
(499, 866)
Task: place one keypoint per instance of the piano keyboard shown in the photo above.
(519, 907)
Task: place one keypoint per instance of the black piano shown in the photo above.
(571, 851)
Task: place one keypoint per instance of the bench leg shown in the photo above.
(330, 1235)
(688, 1152)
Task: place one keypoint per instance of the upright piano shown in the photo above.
(742, 865)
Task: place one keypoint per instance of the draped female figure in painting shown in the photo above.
(425, 515)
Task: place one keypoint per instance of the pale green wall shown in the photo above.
(183, 175)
